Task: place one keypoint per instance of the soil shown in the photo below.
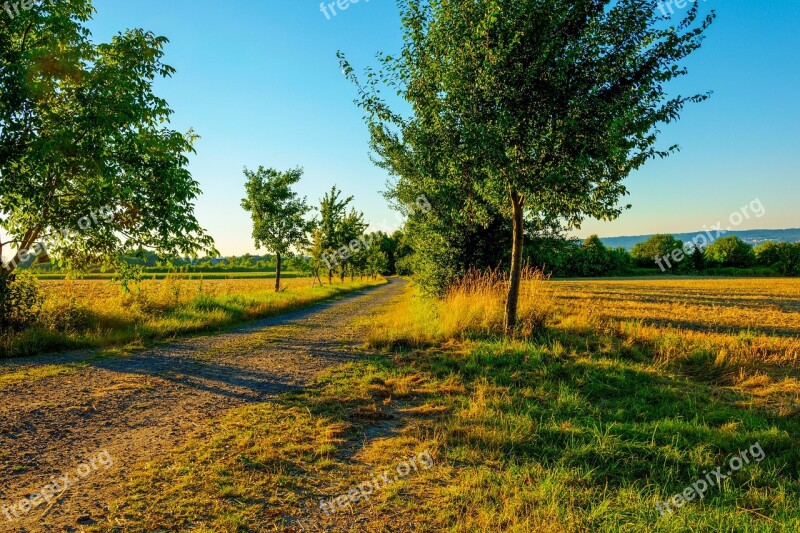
(137, 407)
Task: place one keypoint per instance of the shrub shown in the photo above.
(769, 253)
(731, 252)
(785, 257)
(656, 247)
(20, 301)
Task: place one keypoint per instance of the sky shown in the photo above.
(259, 81)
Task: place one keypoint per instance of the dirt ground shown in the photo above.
(93, 425)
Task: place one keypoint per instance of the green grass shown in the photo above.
(526, 436)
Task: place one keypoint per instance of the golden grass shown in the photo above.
(473, 307)
(741, 321)
(583, 427)
(742, 333)
(97, 313)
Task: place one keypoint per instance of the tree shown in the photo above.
(769, 253)
(89, 169)
(783, 256)
(659, 250)
(789, 262)
(350, 228)
(698, 258)
(731, 252)
(335, 230)
(278, 214)
(538, 108)
(595, 258)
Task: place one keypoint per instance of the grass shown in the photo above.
(619, 403)
(98, 314)
(185, 275)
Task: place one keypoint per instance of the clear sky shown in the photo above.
(259, 82)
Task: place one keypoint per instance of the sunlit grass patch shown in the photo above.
(87, 314)
(585, 427)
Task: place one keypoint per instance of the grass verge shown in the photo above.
(96, 314)
(544, 435)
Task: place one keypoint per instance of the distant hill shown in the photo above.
(754, 237)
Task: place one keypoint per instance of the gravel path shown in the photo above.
(138, 406)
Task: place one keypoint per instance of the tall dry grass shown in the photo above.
(475, 305)
(473, 308)
(96, 313)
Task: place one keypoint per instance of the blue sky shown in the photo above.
(259, 82)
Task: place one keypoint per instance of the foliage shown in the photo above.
(278, 213)
(335, 230)
(519, 108)
(731, 251)
(20, 301)
(783, 256)
(656, 248)
(446, 247)
(89, 168)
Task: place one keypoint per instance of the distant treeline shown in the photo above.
(662, 254)
(558, 256)
(392, 248)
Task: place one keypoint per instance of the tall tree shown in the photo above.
(538, 108)
(89, 169)
(278, 213)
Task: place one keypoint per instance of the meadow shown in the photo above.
(624, 394)
(97, 313)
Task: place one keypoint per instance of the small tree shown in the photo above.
(335, 230)
(278, 214)
(350, 230)
(731, 252)
(658, 250)
(698, 258)
(538, 109)
(769, 253)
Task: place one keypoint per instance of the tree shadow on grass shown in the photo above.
(618, 425)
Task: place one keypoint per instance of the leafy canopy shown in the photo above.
(278, 213)
(81, 131)
(550, 102)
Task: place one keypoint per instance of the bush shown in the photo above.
(784, 257)
(731, 252)
(647, 253)
(789, 262)
(20, 301)
(769, 253)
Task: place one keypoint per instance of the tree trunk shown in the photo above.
(330, 277)
(512, 301)
(278, 275)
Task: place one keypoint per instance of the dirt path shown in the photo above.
(135, 407)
